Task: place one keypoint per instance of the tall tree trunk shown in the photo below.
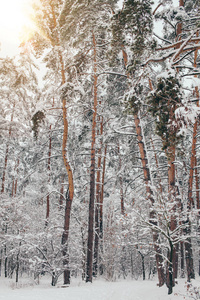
(98, 204)
(6, 155)
(121, 183)
(182, 260)
(49, 176)
(92, 177)
(1, 255)
(147, 179)
(17, 265)
(70, 191)
(83, 254)
(6, 257)
(69, 197)
(157, 166)
(195, 163)
(187, 230)
(101, 210)
(173, 269)
(62, 198)
(14, 183)
(172, 265)
(191, 204)
(96, 241)
(149, 192)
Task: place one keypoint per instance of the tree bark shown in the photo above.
(48, 170)
(70, 191)
(62, 198)
(182, 260)
(147, 179)
(121, 183)
(14, 183)
(98, 204)
(92, 177)
(6, 155)
(191, 204)
(101, 210)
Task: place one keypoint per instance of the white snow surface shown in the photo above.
(98, 290)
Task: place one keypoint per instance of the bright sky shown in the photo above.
(14, 18)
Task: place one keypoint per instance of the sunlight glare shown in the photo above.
(15, 23)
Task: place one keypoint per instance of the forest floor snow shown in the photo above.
(98, 290)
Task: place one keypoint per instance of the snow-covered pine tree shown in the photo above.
(46, 16)
(132, 35)
(84, 26)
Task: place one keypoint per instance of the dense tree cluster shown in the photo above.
(100, 167)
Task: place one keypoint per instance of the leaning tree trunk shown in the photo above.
(92, 177)
(149, 192)
(147, 179)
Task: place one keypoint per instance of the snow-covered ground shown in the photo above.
(98, 290)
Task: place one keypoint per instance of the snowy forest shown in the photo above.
(100, 161)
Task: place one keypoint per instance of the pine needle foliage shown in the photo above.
(37, 119)
(131, 27)
(163, 102)
(135, 101)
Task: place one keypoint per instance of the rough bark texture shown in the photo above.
(187, 230)
(121, 183)
(65, 237)
(147, 179)
(97, 208)
(101, 210)
(70, 191)
(92, 177)
(96, 241)
(172, 269)
(182, 260)
(49, 170)
(146, 172)
(192, 165)
(191, 204)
